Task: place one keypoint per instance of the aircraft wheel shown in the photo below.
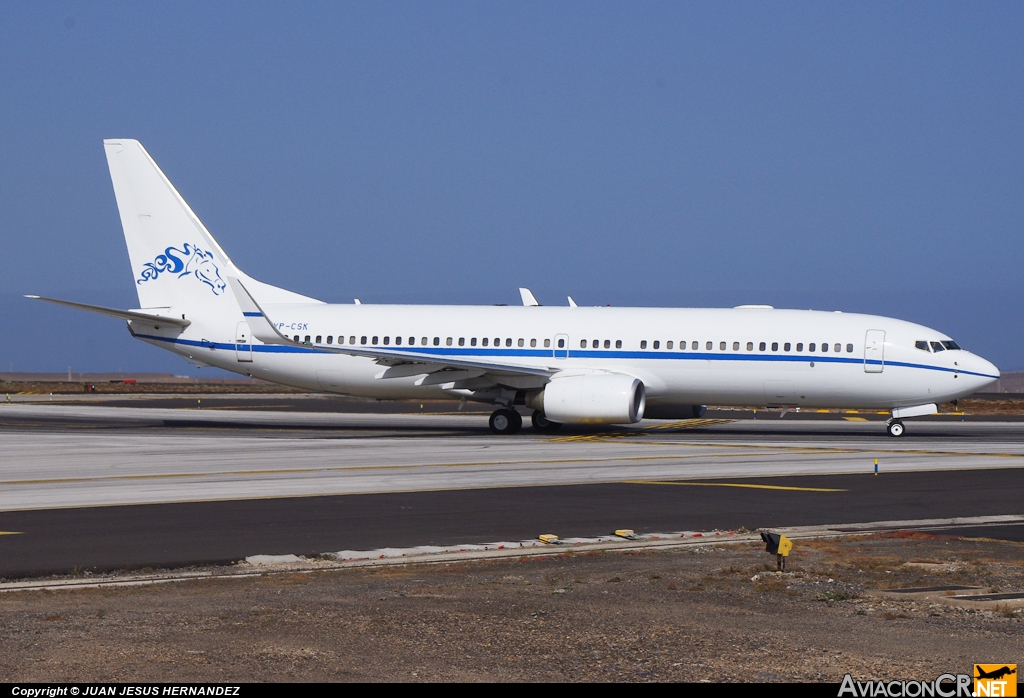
(895, 428)
(505, 421)
(542, 423)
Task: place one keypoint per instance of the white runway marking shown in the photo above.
(76, 467)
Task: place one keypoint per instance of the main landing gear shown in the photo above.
(505, 421)
(508, 421)
(894, 427)
(542, 423)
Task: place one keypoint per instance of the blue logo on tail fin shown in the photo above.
(188, 261)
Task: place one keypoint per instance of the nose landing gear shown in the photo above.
(894, 427)
(505, 421)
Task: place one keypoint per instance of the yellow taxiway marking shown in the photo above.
(10, 533)
(688, 424)
(734, 484)
(855, 419)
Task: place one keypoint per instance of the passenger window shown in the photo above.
(721, 346)
(448, 342)
(775, 346)
(799, 347)
(709, 346)
(437, 341)
(561, 344)
(472, 342)
(761, 346)
(618, 343)
(596, 343)
(785, 347)
(849, 348)
(824, 346)
(533, 342)
(412, 341)
(694, 346)
(812, 346)
(497, 341)
(657, 344)
(607, 344)
(319, 339)
(423, 341)
(508, 342)
(373, 342)
(296, 338)
(547, 343)
(583, 344)
(521, 342)
(668, 344)
(486, 340)
(330, 339)
(837, 348)
(735, 346)
(936, 346)
(750, 346)
(643, 343)
(387, 340)
(398, 340)
(462, 341)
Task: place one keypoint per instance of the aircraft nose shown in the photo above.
(984, 371)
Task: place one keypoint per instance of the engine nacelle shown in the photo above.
(594, 398)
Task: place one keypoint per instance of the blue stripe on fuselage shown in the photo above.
(513, 352)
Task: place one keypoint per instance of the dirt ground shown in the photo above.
(697, 614)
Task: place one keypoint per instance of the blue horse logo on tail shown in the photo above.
(190, 260)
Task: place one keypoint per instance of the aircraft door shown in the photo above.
(561, 346)
(874, 351)
(243, 347)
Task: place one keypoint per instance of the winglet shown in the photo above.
(528, 298)
(572, 303)
(259, 324)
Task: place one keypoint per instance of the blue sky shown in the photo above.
(855, 156)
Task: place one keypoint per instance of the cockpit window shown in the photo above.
(937, 346)
(922, 345)
(950, 344)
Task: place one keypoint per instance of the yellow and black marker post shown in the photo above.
(779, 546)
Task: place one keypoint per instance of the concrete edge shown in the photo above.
(651, 542)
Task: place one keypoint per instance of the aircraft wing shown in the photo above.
(263, 329)
(134, 315)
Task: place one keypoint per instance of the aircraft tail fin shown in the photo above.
(175, 259)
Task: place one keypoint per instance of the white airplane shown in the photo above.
(571, 365)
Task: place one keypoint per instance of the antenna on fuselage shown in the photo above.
(528, 298)
(572, 303)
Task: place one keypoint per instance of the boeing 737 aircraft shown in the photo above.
(568, 364)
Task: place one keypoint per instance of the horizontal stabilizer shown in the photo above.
(133, 315)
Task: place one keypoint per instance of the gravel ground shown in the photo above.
(701, 614)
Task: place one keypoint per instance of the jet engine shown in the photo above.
(593, 398)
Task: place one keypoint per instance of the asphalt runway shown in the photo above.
(94, 487)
